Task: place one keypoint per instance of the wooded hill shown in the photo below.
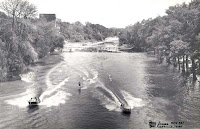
(175, 36)
(24, 38)
(77, 32)
(31, 39)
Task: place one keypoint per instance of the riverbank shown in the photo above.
(30, 68)
(110, 44)
(154, 91)
(23, 42)
(74, 46)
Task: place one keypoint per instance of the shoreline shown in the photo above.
(29, 68)
(42, 62)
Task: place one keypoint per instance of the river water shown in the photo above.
(154, 92)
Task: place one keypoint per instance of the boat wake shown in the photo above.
(27, 77)
(54, 95)
(131, 101)
(21, 100)
(112, 102)
(50, 91)
(94, 78)
(107, 98)
(88, 77)
(48, 81)
(58, 98)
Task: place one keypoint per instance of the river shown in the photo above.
(154, 92)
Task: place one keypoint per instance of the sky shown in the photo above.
(109, 13)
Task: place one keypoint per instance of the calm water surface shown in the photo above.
(154, 92)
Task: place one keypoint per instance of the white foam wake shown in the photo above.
(110, 104)
(21, 100)
(55, 100)
(48, 82)
(49, 92)
(84, 71)
(132, 101)
(95, 77)
(53, 96)
(27, 77)
(88, 80)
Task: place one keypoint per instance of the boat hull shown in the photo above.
(126, 109)
(33, 102)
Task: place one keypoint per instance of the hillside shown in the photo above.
(24, 44)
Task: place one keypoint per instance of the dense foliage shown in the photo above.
(174, 36)
(24, 39)
(77, 32)
(22, 45)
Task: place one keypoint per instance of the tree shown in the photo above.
(173, 36)
(180, 48)
(3, 62)
(17, 9)
(27, 10)
(11, 7)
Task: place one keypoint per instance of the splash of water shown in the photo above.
(95, 77)
(107, 102)
(110, 104)
(55, 100)
(21, 100)
(27, 77)
(87, 79)
(49, 92)
(132, 101)
(84, 71)
(53, 96)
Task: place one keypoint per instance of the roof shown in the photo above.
(48, 17)
(33, 100)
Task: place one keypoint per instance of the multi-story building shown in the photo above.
(49, 18)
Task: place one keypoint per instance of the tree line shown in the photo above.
(175, 36)
(77, 32)
(24, 38)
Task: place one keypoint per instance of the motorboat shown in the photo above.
(34, 101)
(126, 108)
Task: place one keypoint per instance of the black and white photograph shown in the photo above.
(100, 64)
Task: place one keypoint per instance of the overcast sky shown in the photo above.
(109, 13)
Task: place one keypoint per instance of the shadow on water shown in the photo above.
(79, 91)
(32, 108)
(126, 114)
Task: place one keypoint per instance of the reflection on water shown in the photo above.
(126, 114)
(31, 109)
(153, 91)
(79, 91)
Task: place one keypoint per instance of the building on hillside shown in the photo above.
(49, 18)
